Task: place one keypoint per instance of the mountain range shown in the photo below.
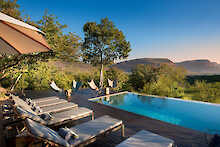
(194, 67)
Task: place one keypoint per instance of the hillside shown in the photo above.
(200, 66)
(194, 67)
(74, 67)
(127, 66)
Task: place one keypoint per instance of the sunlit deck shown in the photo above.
(134, 123)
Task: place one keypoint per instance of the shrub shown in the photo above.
(119, 76)
(164, 80)
(203, 91)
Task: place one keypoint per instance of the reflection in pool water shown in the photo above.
(195, 115)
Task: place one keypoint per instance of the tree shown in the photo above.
(65, 45)
(103, 43)
(11, 8)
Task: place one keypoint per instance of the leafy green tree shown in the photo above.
(66, 46)
(11, 8)
(103, 43)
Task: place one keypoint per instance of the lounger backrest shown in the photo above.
(25, 114)
(39, 131)
(92, 85)
(55, 87)
(19, 102)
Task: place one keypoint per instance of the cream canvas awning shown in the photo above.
(17, 37)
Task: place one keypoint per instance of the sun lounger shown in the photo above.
(53, 108)
(146, 139)
(87, 132)
(57, 118)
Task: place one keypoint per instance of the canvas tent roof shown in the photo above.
(6, 18)
(17, 37)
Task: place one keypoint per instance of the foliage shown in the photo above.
(16, 61)
(103, 43)
(65, 45)
(119, 76)
(202, 91)
(164, 80)
(11, 8)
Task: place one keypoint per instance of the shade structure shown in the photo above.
(17, 37)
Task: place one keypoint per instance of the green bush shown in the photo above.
(202, 91)
(164, 80)
(119, 76)
(39, 75)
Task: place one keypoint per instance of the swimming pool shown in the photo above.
(199, 116)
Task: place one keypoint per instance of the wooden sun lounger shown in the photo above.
(58, 118)
(88, 132)
(53, 108)
(146, 139)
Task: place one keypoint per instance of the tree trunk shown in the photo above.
(101, 77)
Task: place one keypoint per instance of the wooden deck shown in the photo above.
(183, 137)
(133, 123)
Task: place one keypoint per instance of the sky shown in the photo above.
(175, 29)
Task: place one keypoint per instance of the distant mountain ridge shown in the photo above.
(196, 67)
(202, 66)
(127, 66)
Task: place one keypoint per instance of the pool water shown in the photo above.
(199, 116)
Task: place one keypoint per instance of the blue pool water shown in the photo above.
(199, 116)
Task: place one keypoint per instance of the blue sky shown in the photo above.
(175, 29)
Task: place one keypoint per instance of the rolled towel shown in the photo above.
(28, 101)
(67, 134)
(46, 116)
(37, 109)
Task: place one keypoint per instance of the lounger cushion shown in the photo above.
(37, 109)
(93, 128)
(58, 107)
(39, 100)
(51, 102)
(146, 139)
(67, 134)
(25, 114)
(46, 116)
(40, 131)
(28, 101)
(72, 114)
